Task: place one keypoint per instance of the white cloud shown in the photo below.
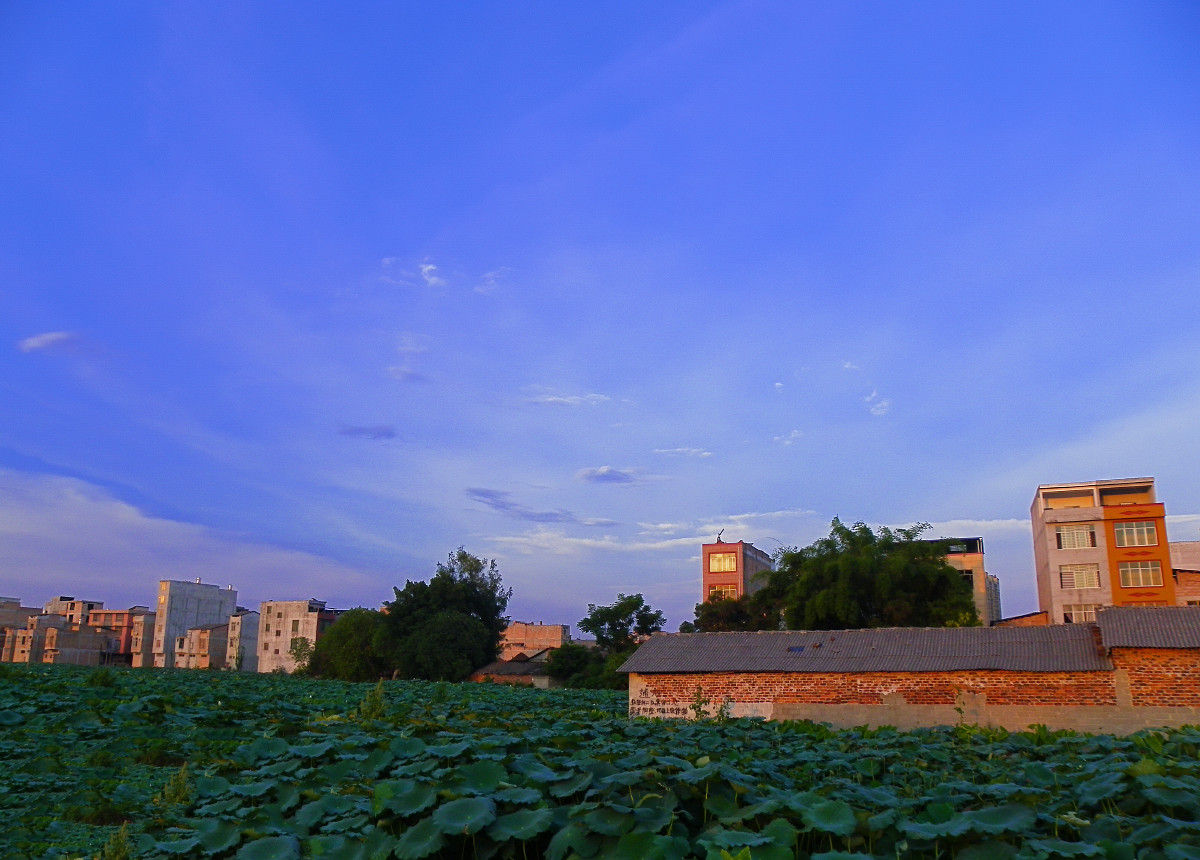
(779, 386)
(788, 438)
(405, 374)
(409, 343)
(430, 276)
(47, 340)
(605, 475)
(684, 452)
(849, 365)
(491, 280)
(552, 399)
(65, 536)
(557, 542)
(876, 404)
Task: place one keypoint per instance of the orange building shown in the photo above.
(520, 637)
(1100, 543)
(730, 570)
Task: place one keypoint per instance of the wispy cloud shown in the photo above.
(683, 451)
(788, 438)
(876, 404)
(502, 501)
(606, 475)
(778, 386)
(491, 280)
(64, 533)
(554, 542)
(430, 276)
(50, 340)
(376, 431)
(410, 343)
(553, 399)
(849, 365)
(405, 374)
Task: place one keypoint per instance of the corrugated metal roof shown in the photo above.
(1150, 626)
(513, 667)
(1064, 648)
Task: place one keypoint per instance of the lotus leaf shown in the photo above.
(466, 815)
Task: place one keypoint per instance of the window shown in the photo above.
(722, 562)
(1079, 575)
(1076, 536)
(267, 629)
(723, 592)
(296, 625)
(1136, 534)
(278, 633)
(1079, 613)
(265, 646)
(1140, 574)
(1193, 603)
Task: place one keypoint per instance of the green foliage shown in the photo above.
(446, 628)
(301, 651)
(743, 613)
(350, 650)
(373, 705)
(858, 578)
(119, 846)
(615, 626)
(102, 677)
(178, 788)
(278, 769)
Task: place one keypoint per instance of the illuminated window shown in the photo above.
(1080, 536)
(1140, 574)
(1079, 613)
(1079, 575)
(722, 562)
(723, 592)
(1136, 534)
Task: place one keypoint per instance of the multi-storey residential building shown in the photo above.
(28, 644)
(13, 614)
(203, 647)
(966, 554)
(730, 570)
(243, 641)
(1100, 543)
(141, 640)
(182, 606)
(520, 637)
(281, 621)
(79, 645)
(75, 610)
(120, 623)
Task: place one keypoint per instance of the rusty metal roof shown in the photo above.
(1062, 648)
(1150, 626)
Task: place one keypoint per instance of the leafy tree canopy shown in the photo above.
(447, 627)
(616, 625)
(859, 578)
(743, 613)
(349, 649)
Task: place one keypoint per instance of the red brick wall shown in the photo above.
(929, 688)
(1187, 586)
(1160, 676)
(1033, 619)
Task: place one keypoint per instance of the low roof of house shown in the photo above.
(1150, 626)
(1058, 648)
(510, 667)
(1064, 648)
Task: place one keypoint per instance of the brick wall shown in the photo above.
(1187, 587)
(1147, 687)
(1033, 619)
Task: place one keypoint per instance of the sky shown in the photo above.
(300, 298)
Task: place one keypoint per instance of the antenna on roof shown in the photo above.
(721, 532)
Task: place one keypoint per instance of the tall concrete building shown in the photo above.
(730, 570)
(281, 621)
(1100, 543)
(966, 555)
(243, 641)
(182, 606)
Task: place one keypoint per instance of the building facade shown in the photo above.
(182, 606)
(730, 570)
(76, 611)
(966, 555)
(281, 621)
(243, 641)
(141, 640)
(520, 637)
(1100, 543)
(1134, 668)
(203, 647)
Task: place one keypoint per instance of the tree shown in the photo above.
(446, 628)
(859, 578)
(350, 648)
(616, 626)
(301, 651)
(742, 613)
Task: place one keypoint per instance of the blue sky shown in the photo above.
(302, 297)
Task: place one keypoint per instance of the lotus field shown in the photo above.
(192, 764)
